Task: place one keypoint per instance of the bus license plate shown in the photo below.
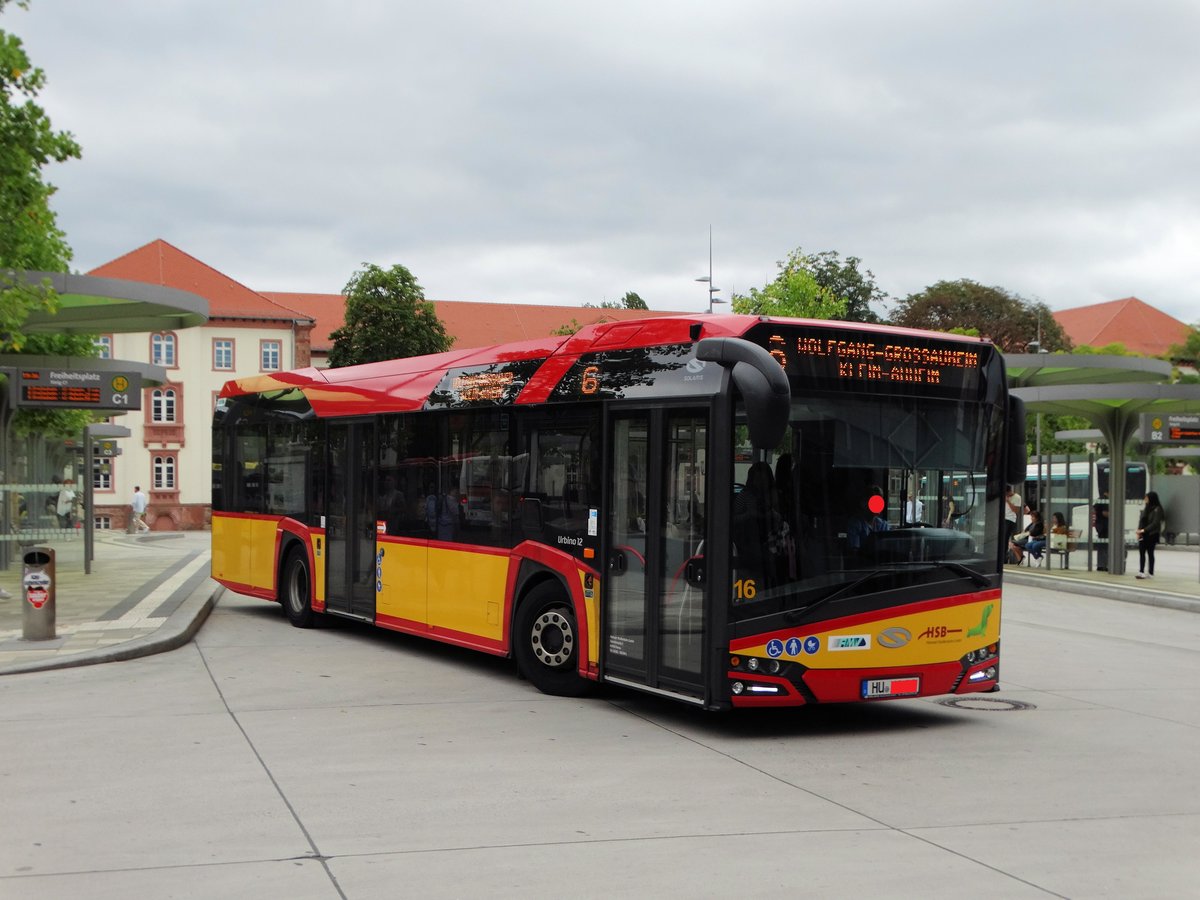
(891, 687)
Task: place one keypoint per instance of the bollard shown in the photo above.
(37, 585)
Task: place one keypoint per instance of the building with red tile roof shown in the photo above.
(248, 332)
(1137, 325)
(470, 323)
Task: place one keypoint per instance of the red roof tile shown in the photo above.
(470, 323)
(1137, 325)
(161, 263)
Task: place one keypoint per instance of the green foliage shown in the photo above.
(1006, 319)
(795, 293)
(29, 235)
(845, 280)
(30, 238)
(1050, 425)
(1114, 349)
(569, 329)
(629, 301)
(1189, 350)
(387, 317)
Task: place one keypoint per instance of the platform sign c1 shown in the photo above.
(79, 389)
(1172, 428)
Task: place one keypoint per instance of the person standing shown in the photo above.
(65, 505)
(1013, 510)
(1149, 530)
(914, 510)
(138, 506)
(1100, 524)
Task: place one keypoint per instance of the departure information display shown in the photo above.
(77, 389)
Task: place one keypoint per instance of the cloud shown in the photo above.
(567, 152)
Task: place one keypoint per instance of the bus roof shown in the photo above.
(407, 384)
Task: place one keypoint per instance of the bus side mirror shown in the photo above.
(1016, 452)
(760, 380)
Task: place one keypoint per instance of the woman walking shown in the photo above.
(1149, 530)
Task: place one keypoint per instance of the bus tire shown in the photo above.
(295, 589)
(546, 642)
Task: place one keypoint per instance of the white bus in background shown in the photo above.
(1071, 485)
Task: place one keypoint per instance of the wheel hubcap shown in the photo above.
(552, 638)
(298, 592)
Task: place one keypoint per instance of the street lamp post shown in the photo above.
(707, 279)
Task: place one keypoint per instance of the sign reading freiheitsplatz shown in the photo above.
(78, 389)
(1172, 428)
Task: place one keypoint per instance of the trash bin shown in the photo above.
(37, 584)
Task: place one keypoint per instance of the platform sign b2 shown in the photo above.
(1172, 428)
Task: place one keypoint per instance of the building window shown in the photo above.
(223, 353)
(103, 346)
(162, 350)
(101, 474)
(271, 353)
(164, 473)
(102, 523)
(162, 405)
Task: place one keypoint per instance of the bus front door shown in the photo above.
(655, 583)
(349, 526)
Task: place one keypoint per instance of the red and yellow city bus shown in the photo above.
(728, 510)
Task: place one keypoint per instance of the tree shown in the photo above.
(844, 279)
(387, 317)
(629, 301)
(795, 292)
(1006, 319)
(1189, 350)
(1116, 348)
(30, 238)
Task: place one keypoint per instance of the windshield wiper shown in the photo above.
(797, 614)
(976, 576)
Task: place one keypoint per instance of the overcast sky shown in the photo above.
(564, 152)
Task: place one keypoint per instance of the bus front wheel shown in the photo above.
(296, 589)
(547, 642)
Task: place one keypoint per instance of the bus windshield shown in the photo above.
(865, 493)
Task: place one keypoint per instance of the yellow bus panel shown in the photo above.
(403, 581)
(243, 550)
(466, 591)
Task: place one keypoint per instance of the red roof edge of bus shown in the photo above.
(405, 384)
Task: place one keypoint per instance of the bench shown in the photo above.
(1063, 548)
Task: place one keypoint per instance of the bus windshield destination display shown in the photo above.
(857, 359)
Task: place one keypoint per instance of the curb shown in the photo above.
(1162, 599)
(181, 626)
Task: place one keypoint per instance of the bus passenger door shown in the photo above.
(349, 526)
(655, 584)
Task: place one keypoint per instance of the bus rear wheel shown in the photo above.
(546, 643)
(296, 589)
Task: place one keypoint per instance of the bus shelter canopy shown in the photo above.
(1051, 369)
(91, 305)
(1116, 410)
